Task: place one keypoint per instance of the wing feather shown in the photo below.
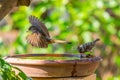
(36, 22)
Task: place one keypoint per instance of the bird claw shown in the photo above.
(82, 55)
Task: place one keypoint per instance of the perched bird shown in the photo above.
(87, 46)
(40, 36)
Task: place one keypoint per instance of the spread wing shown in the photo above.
(37, 40)
(39, 25)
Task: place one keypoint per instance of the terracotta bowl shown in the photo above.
(54, 68)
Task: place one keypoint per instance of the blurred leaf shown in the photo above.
(7, 73)
(117, 60)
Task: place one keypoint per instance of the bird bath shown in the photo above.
(63, 65)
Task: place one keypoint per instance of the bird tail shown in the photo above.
(60, 41)
(96, 40)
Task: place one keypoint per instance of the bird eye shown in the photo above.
(31, 27)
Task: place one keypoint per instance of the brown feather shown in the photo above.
(37, 40)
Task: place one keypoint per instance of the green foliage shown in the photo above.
(71, 20)
(114, 78)
(7, 73)
(78, 21)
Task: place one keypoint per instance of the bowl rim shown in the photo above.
(16, 59)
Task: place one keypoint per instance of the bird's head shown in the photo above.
(80, 48)
(32, 28)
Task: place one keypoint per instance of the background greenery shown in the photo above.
(78, 21)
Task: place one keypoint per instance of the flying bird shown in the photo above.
(40, 36)
(87, 46)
